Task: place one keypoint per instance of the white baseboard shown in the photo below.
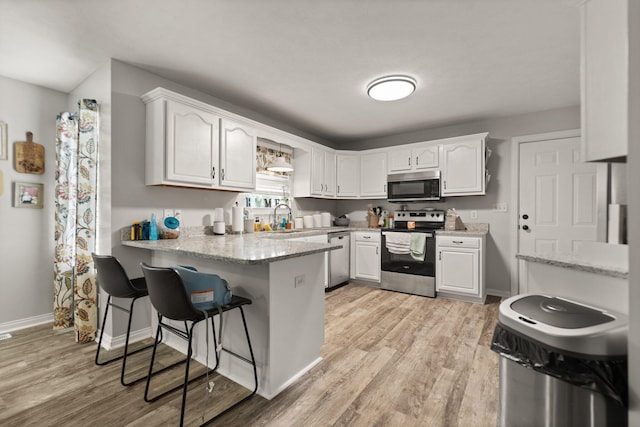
(110, 343)
(499, 293)
(26, 323)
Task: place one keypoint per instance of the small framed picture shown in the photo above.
(28, 195)
(4, 154)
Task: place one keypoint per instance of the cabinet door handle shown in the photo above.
(457, 242)
(338, 189)
(366, 237)
(377, 250)
(445, 184)
(385, 188)
(222, 174)
(213, 173)
(440, 256)
(409, 160)
(417, 160)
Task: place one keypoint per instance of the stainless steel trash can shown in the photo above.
(562, 363)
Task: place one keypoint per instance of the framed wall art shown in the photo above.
(4, 154)
(28, 195)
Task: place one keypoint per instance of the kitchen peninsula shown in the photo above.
(284, 280)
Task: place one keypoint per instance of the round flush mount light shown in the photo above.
(391, 88)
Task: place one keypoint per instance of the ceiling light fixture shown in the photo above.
(391, 88)
(280, 164)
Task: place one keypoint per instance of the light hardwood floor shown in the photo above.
(389, 359)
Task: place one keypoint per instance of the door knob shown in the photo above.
(525, 227)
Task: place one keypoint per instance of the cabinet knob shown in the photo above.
(525, 216)
(525, 227)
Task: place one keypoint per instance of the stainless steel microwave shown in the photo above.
(414, 186)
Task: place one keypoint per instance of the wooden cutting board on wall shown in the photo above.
(29, 156)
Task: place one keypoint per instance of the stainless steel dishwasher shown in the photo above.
(339, 258)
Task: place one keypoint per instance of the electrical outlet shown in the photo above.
(474, 214)
(299, 281)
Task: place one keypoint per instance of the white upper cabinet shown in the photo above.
(463, 166)
(399, 160)
(605, 79)
(182, 146)
(323, 172)
(413, 158)
(347, 167)
(192, 144)
(237, 155)
(314, 173)
(425, 156)
(373, 177)
(329, 174)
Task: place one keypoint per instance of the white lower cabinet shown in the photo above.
(460, 268)
(365, 255)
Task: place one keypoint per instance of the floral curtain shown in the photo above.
(75, 296)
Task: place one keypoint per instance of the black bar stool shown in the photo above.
(115, 282)
(170, 299)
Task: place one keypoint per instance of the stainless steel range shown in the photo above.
(408, 259)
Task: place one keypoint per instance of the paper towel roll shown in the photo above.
(326, 219)
(237, 219)
(218, 215)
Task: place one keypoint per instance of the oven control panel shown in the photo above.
(419, 216)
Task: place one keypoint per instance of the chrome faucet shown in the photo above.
(276, 224)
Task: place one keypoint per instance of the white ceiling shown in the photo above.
(307, 62)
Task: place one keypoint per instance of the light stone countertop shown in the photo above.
(571, 262)
(474, 229)
(245, 248)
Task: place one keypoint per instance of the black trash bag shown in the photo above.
(604, 375)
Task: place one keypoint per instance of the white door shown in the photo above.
(558, 197)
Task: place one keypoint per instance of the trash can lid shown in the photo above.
(566, 325)
(559, 312)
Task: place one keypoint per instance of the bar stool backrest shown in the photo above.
(168, 294)
(112, 277)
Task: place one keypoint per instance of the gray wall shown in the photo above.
(26, 242)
